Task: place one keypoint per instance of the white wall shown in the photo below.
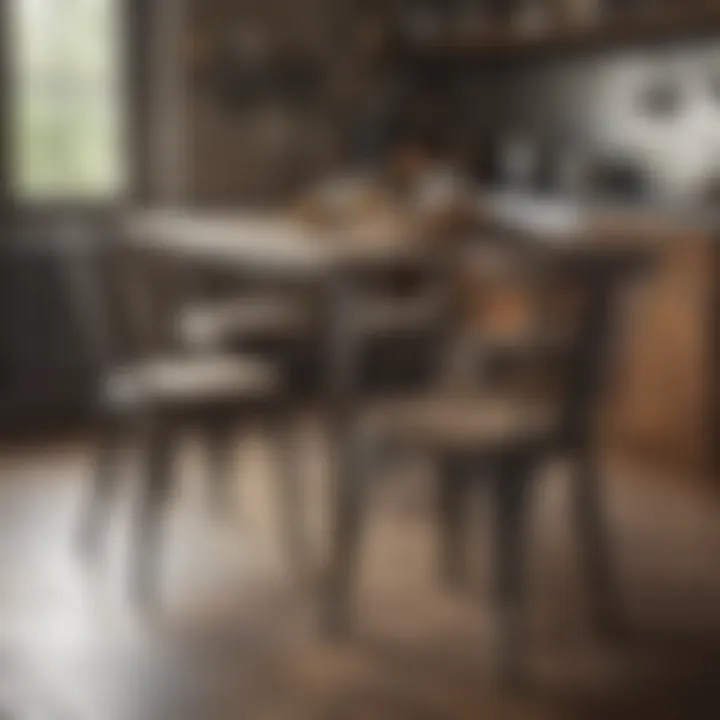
(599, 97)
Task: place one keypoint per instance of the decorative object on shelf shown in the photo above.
(532, 16)
(421, 19)
(663, 96)
(471, 17)
(546, 171)
(370, 35)
(487, 167)
(507, 29)
(562, 164)
(519, 161)
(572, 171)
(245, 66)
(624, 7)
(233, 66)
(503, 11)
(579, 12)
(618, 177)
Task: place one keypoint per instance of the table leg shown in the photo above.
(510, 489)
(221, 456)
(587, 501)
(453, 485)
(347, 478)
(158, 451)
(106, 477)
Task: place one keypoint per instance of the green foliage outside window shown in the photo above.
(67, 108)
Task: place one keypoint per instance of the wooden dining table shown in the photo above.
(253, 245)
(273, 246)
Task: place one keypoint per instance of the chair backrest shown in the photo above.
(118, 300)
(598, 281)
(491, 291)
(81, 261)
(571, 298)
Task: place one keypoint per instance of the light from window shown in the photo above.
(67, 111)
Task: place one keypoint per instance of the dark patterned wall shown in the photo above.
(263, 144)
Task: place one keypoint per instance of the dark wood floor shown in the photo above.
(236, 638)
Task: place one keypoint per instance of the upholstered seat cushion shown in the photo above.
(191, 381)
(457, 422)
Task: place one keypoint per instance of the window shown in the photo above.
(67, 114)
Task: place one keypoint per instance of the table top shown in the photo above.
(563, 217)
(268, 242)
(271, 243)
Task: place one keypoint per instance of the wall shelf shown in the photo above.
(508, 45)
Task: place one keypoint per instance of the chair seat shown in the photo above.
(222, 323)
(467, 424)
(522, 342)
(193, 381)
(378, 317)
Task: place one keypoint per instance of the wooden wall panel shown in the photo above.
(659, 396)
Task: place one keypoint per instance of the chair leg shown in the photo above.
(292, 515)
(452, 497)
(106, 476)
(221, 456)
(154, 495)
(510, 489)
(592, 533)
(347, 517)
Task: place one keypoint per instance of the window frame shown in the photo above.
(133, 47)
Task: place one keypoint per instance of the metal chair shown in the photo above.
(286, 324)
(502, 439)
(124, 308)
(397, 314)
